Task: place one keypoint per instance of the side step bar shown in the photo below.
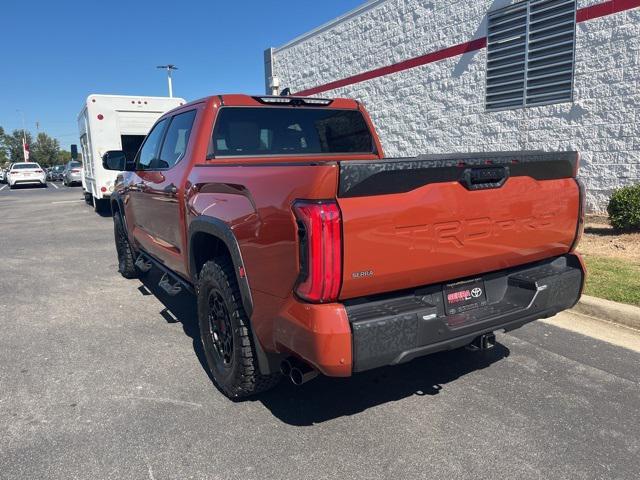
(171, 283)
(143, 264)
(168, 287)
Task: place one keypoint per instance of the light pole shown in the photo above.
(169, 67)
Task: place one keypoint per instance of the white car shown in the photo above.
(2, 175)
(24, 173)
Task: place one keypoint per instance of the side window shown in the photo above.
(177, 139)
(147, 155)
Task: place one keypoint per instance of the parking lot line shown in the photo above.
(55, 186)
(3, 187)
(67, 201)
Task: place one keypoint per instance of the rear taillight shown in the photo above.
(75, 170)
(13, 171)
(38, 171)
(581, 209)
(319, 235)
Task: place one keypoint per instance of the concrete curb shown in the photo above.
(609, 311)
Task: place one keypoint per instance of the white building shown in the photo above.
(562, 74)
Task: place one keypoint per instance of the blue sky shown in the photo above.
(55, 53)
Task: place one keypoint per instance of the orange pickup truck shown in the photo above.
(309, 252)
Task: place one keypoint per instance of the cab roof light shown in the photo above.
(296, 101)
(279, 100)
(317, 101)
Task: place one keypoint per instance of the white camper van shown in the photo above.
(114, 122)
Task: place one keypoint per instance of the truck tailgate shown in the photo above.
(413, 222)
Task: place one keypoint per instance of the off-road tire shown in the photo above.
(126, 261)
(240, 376)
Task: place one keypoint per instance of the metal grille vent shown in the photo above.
(530, 54)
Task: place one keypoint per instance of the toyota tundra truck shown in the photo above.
(308, 251)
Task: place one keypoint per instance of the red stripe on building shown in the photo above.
(454, 51)
(606, 8)
(582, 15)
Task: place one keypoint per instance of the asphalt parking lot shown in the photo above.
(102, 377)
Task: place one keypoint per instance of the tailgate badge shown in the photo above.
(362, 274)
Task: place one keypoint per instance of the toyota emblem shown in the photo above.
(476, 292)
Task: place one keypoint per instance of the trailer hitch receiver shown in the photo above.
(486, 341)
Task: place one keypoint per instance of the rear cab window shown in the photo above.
(255, 131)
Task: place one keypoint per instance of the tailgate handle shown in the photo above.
(480, 178)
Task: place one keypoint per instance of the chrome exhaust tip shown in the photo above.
(299, 372)
(299, 376)
(285, 367)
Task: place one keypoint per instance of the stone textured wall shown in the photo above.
(439, 107)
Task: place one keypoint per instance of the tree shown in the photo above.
(13, 145)
(4, 159)
(63, 156)
(45, 150)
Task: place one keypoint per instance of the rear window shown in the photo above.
(21, 166)
(289, 131)
(75, 164)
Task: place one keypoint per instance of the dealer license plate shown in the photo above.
(460, 297)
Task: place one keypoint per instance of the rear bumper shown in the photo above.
(372, 332)
(27, 181)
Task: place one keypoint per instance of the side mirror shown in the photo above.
(116, 160)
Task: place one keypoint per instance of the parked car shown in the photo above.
(25, 173)
(310, 252)
(56, 172)
(72, 174)
(3, 175)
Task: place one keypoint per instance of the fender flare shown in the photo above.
(115, 198)
(267, 363)
(219, 229)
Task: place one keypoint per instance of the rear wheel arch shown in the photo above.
(209, 238)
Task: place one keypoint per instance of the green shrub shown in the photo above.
(624, 208)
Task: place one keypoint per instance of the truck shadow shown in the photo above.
(327, 398)
(179, 309)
